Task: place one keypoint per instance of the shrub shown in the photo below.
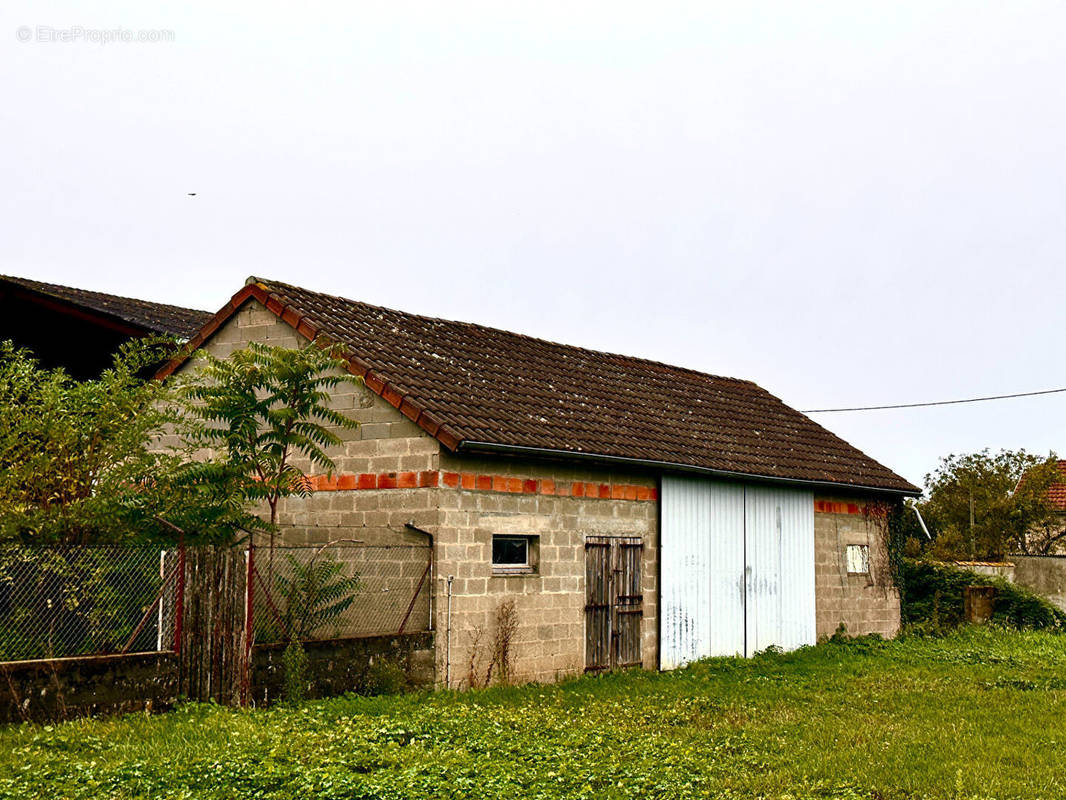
(933, 599)
(385, 676)
(294, 662)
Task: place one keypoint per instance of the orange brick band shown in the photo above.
(483, 483)
(828, 507)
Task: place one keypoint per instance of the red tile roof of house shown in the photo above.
(1057, 491)
(151, 317)
(481, 389)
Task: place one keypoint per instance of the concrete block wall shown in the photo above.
(863, 603)
(550, 602)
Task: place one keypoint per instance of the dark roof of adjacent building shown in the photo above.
(486, 390)
(148, 316)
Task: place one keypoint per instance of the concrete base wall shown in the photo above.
(1045, 575)
(337, 666)
(550, 601)
(64, 688)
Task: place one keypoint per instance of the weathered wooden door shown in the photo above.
(614, 604)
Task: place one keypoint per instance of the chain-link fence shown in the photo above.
(71, 601)
(341, 591)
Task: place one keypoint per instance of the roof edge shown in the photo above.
(376, 382)
(469, 446)
(81, 310)
(64, 305)
(380, 384)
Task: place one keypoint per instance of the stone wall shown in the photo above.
(863, 603)
(64, 688)
(336, 666)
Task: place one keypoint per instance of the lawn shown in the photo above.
(978, 714)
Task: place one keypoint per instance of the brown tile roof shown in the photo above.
(467, 384)
(152, 317)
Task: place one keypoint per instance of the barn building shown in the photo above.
(636, 513)
(80, 330)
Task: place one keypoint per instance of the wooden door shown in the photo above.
(614, 602)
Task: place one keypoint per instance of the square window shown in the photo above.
(511, 555)
(858, 556)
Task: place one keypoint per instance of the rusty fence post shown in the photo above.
(414, 598)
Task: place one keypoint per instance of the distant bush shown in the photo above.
(933, 599)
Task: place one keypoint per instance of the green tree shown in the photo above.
(314, 593)
(260, 411)
(985, 505)
(121, 459)
(81, 461)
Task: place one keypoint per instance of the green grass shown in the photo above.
(980, 713)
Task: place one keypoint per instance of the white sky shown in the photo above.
(849, 203)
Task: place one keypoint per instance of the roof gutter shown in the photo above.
(469, 446)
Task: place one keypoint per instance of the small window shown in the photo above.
(510, 555)
(858, 559)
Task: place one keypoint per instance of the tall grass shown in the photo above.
(975, 714)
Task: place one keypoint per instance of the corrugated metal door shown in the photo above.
(779, 528)
(737, 569)
(685, 596)
(702, 570)
(614, 602)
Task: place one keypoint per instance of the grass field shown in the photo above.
(978, 714)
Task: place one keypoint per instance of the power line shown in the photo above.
(936, 403)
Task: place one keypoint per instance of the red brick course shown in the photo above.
(483, 483)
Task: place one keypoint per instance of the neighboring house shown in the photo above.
(80, 330)
(1050, 537)
(1056, 493)
(637, 513)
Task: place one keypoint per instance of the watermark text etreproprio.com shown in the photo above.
(80, 33)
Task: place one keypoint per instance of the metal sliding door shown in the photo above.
(702, 570)
(737, 569)
(779, 534)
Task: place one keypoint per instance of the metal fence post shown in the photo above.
(249, 625)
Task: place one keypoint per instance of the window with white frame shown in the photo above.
(858, 557)
(513, 555)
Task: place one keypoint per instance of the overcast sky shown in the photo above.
(849, 203)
